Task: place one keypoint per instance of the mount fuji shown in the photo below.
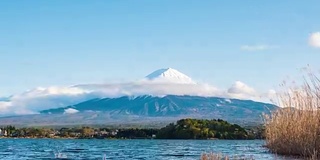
(169, 75)
(162, 96)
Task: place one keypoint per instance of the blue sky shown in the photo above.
(44, 43)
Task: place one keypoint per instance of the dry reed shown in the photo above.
(295, 129)
(215, 156)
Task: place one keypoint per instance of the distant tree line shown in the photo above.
(182, 129)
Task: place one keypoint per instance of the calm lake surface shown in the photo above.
(23, 149)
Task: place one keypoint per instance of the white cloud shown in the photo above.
(152, 88)
(4, 106)
(256, 47)
(314, 40)
(33, 101)
(240, 88)
(272, 94)
(70, 111)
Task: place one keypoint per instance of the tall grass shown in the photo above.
(295, 129)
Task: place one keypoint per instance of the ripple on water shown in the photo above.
(24, 149)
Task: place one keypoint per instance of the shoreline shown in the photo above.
(72, 138)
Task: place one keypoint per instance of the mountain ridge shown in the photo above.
(172, 106)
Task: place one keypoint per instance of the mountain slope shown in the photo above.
(173, 106)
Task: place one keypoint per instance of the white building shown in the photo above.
(3, 132)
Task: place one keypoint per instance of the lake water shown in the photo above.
(23, 149)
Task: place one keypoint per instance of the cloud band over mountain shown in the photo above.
(32, 101)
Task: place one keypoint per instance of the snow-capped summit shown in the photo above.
(170, 75)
